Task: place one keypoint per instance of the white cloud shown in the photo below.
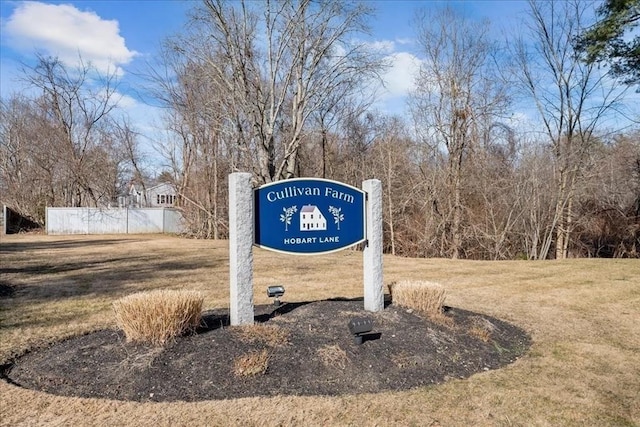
(127, 102)
(383, 46)
(405, 40)
(400, 77)
(66, 32)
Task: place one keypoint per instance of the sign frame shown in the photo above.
(301, 190)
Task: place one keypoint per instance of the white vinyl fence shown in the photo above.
(113, 220)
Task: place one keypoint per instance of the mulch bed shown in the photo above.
(320, 357)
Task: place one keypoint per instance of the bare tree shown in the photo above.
(27, 169)
(127, 137)
(393, 155)
(457, 96)
(59, 147)
(197, 118)
(572, 98)
(77, 104)
(246, 101)
(493, 195)
(608, 208)
(303, 55)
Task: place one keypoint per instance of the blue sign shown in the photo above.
(308, 216)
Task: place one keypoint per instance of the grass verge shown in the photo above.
(583, 315)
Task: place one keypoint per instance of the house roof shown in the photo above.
(134, 189)
(161, 185)
(309, 208)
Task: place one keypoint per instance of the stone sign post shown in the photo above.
(241, 249)
(372, 254)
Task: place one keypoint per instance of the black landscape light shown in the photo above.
(359, 326)
(275, 292)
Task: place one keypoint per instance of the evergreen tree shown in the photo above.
(605, 41)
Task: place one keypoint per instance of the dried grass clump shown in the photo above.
(481, 328)
(333, 356)
(157, 317)
(404, 360)
(272, 336)
(481, 334)
(426, 298)
(250, 364)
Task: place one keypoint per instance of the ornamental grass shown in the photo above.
(427, 298)
(157, 317)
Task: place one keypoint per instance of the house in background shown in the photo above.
(132, 199)
(163, 195)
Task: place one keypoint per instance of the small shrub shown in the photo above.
(426, 298)
(158, 316)
(250, 364)
(272, 336)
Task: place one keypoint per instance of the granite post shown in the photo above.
(372, 255)
(241, 249)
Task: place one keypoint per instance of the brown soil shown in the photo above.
(320, 356)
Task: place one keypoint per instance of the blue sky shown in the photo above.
(124, 34)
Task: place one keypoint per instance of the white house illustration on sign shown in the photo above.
(311, 219)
